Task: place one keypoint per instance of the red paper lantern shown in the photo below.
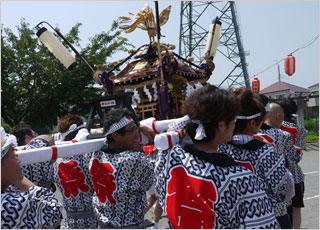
(290, 64)
(255, 85)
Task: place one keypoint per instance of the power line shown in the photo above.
(277, 62)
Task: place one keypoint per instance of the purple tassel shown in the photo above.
(171, 66)
(107, 82)
(164, 104)
(206, 68)
(167, 65)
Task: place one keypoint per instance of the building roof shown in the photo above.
(283, 86)
(317, 84)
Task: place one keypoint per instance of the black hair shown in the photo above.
(289, 107)
(263, 99)
(21, 131)
(210, 105)
(249, 106)
(113, 116)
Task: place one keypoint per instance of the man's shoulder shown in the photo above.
(120, 153)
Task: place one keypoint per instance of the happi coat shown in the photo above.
(73, 178)
(210, 190)
(298, 135)
(36, 208)
(40, 173)
(120, 179)
(283, 144)
(262, 159)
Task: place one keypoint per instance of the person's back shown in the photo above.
(298, 135)
(263, 160)
(210, 190)
(260, 157)
(200, 187)
(298, 132)
(120, 179)
(121, 174)
(73, 179)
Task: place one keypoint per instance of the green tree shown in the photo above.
(37, 88)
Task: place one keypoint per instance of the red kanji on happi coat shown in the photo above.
(190, 201)
(103, 180)
(292, 130)
(72, 178)
(148, 149)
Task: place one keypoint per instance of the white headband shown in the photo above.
(120, 124)
(294, 115)
(248, 117)
(200, 132)
(267, 107)
(72, 128)
(6, 147)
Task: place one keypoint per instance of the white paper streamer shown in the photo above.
(198, 85)
(147, 92)
(155, 94)
(134, 102)
(189, 89)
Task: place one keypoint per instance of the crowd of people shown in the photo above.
(235, 166)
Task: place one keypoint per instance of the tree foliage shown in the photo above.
(36, 88)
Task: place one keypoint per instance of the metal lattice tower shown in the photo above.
(194, 24)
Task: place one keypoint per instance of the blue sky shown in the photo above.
(270, 30)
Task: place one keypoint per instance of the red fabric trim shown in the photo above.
(169, 140)
(128, 117)
(245, 164)
(54, 153)
(154, 126)
(292, 130)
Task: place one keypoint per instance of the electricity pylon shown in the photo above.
(195, 19)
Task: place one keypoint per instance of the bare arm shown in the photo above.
(148, 132)
(298, 149)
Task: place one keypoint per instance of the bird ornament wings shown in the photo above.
(144, 20)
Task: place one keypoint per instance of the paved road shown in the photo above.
(310, 213)
(310, 167)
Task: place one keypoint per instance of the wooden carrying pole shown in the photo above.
(158, 40)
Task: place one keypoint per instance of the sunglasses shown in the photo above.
(135, 130)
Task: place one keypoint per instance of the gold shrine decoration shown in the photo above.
(144, 20)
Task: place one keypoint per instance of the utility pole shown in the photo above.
(279, 76)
